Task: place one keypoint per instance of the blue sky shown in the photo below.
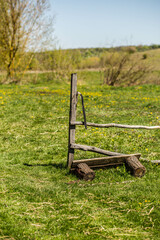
(105, 23)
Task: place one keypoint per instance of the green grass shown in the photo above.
(39, 199)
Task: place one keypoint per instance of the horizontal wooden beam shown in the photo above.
(116, 125)
(157, 162)
(104, 161)
(94, 149)
(72, 169)
(98, 150)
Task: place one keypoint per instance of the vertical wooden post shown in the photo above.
(72, 118)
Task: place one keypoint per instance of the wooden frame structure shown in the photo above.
(111, 158)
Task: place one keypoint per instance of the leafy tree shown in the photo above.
(24, 26)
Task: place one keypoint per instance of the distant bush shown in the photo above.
(61, 62)
(155, 46)
(120, 69)
(144, 56)
(142, 48)
(131, 49)
(90, 62)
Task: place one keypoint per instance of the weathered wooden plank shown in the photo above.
(94, 149)
(104, 161)
(72, 118)
(101, 166)
(115, 125)
(157, 162)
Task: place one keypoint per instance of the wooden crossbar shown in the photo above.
(104, 161)
(116, 125)
(94, 149)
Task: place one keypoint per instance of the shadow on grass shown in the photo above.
(56, 165)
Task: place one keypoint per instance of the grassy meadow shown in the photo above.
(40, 199)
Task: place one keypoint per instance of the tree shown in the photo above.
(25, 27)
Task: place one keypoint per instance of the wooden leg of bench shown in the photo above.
(84, 172)
(135, 167)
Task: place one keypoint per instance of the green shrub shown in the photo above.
(144, 56)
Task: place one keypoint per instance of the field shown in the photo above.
(59, 64)
(40, 199)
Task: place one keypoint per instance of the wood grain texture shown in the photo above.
(116, 125)
(84, 172)
(157, 162)
(72, 118)
(94, 149)
(135, 167)
(104, 161)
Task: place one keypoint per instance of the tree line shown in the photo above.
(26, 35)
